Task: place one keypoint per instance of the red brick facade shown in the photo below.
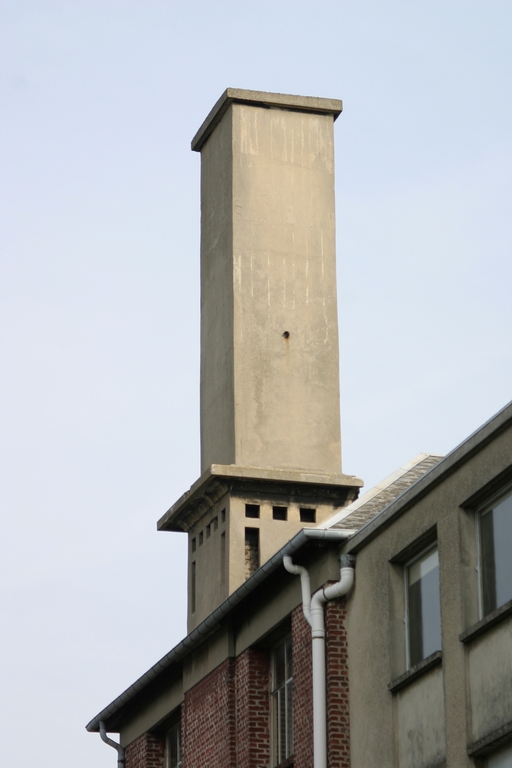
(338, 714)
(253, 709)
(208, 720)
(225, 718)
(302, 691)
(148, 751)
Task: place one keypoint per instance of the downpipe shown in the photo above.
(114, 744)
(313, 608)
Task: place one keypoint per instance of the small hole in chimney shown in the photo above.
(286, 334)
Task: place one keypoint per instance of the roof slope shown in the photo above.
(364, 509)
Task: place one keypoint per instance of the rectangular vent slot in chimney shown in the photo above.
(307, 515)
(280, 513)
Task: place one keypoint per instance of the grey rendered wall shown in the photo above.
(268, 269)
(376, 628)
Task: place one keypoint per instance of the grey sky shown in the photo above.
(100, 294)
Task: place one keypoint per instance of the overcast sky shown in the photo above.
(100, 294)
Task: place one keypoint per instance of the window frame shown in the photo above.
(174, 729)
(276, 692)
(433, 545)
(481, 510)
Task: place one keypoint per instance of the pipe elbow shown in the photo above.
(342, 587)
(290, 567)
(299, 570)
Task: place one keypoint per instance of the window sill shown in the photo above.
(491, 742)
(487, 622)
(415, 672)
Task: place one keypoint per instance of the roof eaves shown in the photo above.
(213, 620)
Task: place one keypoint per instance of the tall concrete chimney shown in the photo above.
(269, 329)
(270, 420)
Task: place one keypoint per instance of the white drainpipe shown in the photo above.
(313, 608)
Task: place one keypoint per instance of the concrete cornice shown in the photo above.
(263, 99)
(462, 453)
(219, 478)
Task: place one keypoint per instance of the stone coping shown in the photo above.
(263, 99)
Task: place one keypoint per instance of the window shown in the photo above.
(215, 523)
(193, 588)
(200, 538)
(502, 759)
(279, 513)
(208, 531)
(173, 747)
(252, 510)
(307, 515)
(252, 551)
(223, 558)
(495, 523)
(193, 545)
(281, 702)
(422, 606)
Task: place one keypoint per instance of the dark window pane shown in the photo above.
(488, 565)
(281, 702)
(279, 666)
(289, 720)
(496, 538)
(288, 652)
(280, 513)
(252, 551)
(173, 748)
(282, 725)
(275, 729)
(424, 609)
(502, 759)
(307, 515)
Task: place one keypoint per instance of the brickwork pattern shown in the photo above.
(208, 721)
(252, 682)
(148, 751)
(225, 718)
(338, 714)
(302, 691)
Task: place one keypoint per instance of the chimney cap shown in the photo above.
(263, 99)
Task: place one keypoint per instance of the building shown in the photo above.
(412, 665)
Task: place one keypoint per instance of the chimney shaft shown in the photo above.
(269, 330)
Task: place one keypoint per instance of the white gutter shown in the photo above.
(213, 621)
(313, 608)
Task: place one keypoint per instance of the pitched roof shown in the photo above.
(367, 506)
(476, 442)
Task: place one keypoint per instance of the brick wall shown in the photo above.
(148, 751)
(338, 715)
(302, 691)
(253, 709)
(208, 720)
(225, 718)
